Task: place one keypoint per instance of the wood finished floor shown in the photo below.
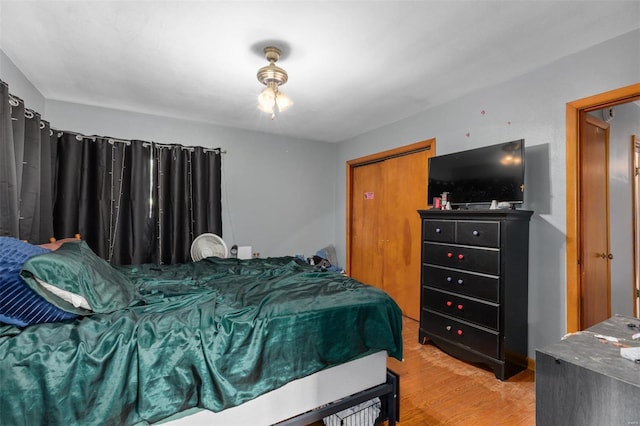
(437, 389)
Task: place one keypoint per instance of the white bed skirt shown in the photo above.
(296, 397)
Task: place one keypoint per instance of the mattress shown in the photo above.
(296, 397)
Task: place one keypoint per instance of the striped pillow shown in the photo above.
(19, 304)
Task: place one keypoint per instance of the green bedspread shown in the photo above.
(210, 334)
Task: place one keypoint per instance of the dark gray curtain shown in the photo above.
(136, 202)
(187, 199)
(132, 201)
(94, 187)
(25, 172)
(9, 223)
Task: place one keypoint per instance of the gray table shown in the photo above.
(583, 380)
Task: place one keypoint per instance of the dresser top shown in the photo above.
(476, 214)
(584, 349)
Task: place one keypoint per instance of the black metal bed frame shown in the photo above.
(389, 394)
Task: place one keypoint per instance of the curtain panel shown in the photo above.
(186, 200)
(9, 217)
(26, 181)
(135, 201)
(132, 201)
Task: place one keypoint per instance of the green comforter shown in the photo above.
(210, 334)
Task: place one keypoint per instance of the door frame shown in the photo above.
(429, 144)
(573, 191)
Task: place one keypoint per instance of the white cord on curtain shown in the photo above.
(160, 210)
(113, 225)
(190, 178)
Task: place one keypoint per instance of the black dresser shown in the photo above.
(474, 285)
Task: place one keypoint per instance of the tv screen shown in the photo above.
(480, 175)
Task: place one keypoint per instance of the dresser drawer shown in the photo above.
(482, 313)
(481, 286)
(483, 341)
(484, 260)
(439, 230)
(485, 234)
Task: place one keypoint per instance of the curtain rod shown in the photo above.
(13, 101)
(29, 113)
(184, 148)
(80, 136)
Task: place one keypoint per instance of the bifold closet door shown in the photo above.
(385, 226)
(405, 194)
(367, 238)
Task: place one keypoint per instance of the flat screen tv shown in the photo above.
(480, 175)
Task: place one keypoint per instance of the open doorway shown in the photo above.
(574, 202)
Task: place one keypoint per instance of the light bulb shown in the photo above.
(267, 100)
(283, 101)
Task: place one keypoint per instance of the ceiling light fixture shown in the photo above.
(273, 77)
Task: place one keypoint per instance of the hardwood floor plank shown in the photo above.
(438, 389)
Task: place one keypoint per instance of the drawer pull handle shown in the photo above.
(449, 255)
(459, 332)
(460, 281)
(460, 307)
(461, 256)
(475, 233)
(449, 279)
(449, 303)
(438, 230)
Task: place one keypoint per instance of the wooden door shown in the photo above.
(594, 219)
(635, 155)
(367, 204)
(406, 192)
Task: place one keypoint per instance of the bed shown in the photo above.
(162, 342)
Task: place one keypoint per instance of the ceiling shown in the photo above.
(353, 65)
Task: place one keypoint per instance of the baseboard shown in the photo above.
(531, 364)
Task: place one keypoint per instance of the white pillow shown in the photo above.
(75, 299)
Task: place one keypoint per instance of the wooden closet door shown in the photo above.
(405, 193)
(385, 226)
(366, 233)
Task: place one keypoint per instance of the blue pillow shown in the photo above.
(19, 304)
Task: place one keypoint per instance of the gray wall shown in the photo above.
(533, 107)
(19, 85)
